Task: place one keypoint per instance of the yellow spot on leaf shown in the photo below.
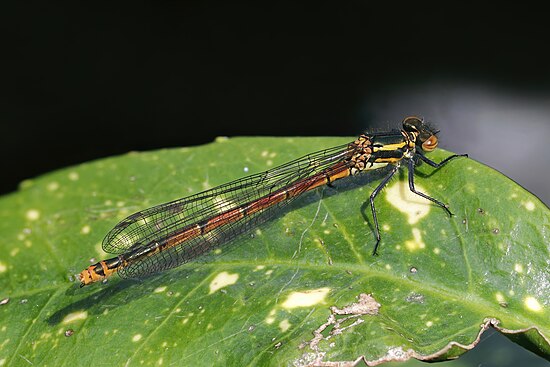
(532, 304)
(222, 280)
(518, 268)
(52, 186)
(284, 325)
(85, 230)
(74, 316)
(223, 205)
(136, 338)
(160, 289)
(416, 243)
(271, 318)
(32, 214)
(73, 176)
(306, 298)
(529, 206)
(401, 197)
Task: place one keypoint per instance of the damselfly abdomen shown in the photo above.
(171, 234)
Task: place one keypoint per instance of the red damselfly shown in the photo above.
(174, 233)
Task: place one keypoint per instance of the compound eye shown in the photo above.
(430, 144)
(412, 120)
(412, 124)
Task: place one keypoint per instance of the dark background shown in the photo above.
(81, 82)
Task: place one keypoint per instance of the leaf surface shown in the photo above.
(301, 289)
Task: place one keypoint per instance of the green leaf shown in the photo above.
(302, 288)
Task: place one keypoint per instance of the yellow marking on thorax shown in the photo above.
(374, 166)
(387, 147)
(385, 161)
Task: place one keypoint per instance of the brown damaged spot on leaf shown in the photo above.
(366, 305)
(451, 351)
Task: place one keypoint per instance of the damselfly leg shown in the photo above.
(410, 168)
(440, 164)
(373, 195)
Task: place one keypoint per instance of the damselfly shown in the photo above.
(171, 234)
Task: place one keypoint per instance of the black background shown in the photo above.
(82, 82)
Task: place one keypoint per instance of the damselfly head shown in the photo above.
(425, 135)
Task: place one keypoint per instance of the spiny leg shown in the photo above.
(440, 164)
(373, 209)
(412, 188)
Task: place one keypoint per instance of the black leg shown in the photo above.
(373, 209)
(442, 163)
(411, 184)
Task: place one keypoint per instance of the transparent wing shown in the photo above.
(204, 243)
(156, 223)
